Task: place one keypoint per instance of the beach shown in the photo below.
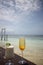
(33, 48)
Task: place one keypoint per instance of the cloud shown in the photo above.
(28, 5)
(8, 15)
(12, 10)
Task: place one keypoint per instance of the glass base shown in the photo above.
(9, 63)
(22, 62)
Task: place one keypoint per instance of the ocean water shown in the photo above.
(33, 47)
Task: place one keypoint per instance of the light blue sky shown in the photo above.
(22, 16)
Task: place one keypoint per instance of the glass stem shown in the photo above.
(22, 55)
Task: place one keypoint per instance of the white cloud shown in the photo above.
(12, 10)
(28, 5)
(8, 15)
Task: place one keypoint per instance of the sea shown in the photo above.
(33, 46)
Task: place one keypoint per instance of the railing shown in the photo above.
(4, 36)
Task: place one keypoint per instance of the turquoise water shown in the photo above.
(31, 41)
(34, 41)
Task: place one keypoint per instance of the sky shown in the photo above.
(22, 16)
